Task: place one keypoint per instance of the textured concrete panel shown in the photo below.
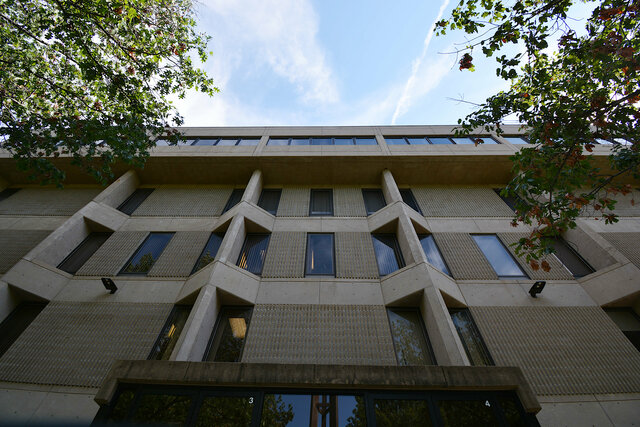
(348, 202)
(285, 255)
(355, 258)
(75, 343)
(113, 254)
(464, 258)
(561, 350)
(294, 201)
(331, 334)
(47, 201)
(557, 272)
(184, 202)
(627, 243)
(14, 244)
(460, 202)
(624, 207)
(180, 255)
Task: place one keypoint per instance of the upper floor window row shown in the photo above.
(220, 142)
(437, 140)
(340, 140)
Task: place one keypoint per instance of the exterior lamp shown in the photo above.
(109, 285)
(537, 288)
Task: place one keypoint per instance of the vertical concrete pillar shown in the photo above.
(194, 339)
(382, 143)
(254, 188)
(409, 242)
(262, 143)
(390, 188)
(442, 333)
(119, 190)
(233, 239)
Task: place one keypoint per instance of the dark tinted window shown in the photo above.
(170, 333)
(234, 199)
(7, 192)
(470, 336)
(269, 200)
(209, 252)
(628, 322)
(500, 259)
(373, 200)
(402, 412)
(83, 252)
(227, 342)
(147, 254)
(162, 409)
(433, 253)
(320, 254)
(571, 259)
(511, 201)
(321, 203)
(387, 253)
(19, 319)
(296, 410)
(407, 197)
(462, 413)
(135, 200)
(253, 252)
(409, 337)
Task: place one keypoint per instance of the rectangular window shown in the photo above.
(418, 140)
(321, 203)
(147, 254)
(269, 200)
(8, 192)
(278, 141)
(410, 338)
(571, 259)
(253, 252)
(205, 141)
(472, 140)
(433, 253)
(135, 200)
(227, 142)
(366, 141)
(628, 322)
(234, 199)
(373, 200)
(499, 257)
(170, 333)
(516, 139)
(209, 252)
(440, 140)
(83, 252)
(249, 141)
(396, 140)
(388, 253)
(407, 197)
(320, 255)
(472, 341)
(19, 319)
(227, 341)
(321, 141)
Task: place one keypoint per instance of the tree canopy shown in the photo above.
(574, 84)
(92, 80)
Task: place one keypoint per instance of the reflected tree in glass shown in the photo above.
(275, 413)
(463, 413)
(393, 413)
(409, 338)
(221, 411)
(162, 409)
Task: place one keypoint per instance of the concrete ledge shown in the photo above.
(405, 378)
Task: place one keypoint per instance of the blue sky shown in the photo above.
(304, 62)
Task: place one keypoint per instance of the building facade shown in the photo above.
(326, 276)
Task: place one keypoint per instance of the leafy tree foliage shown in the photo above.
(91, 79)
(571, 88)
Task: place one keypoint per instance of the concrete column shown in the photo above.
(194, 339)
(263, 143)
(382, 143)
(233, 239)
(254, 188)
(442, 333)
(409, 242)
(390, 188)
(119, 190)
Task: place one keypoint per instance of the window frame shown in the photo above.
(195, 268)
(216, 329)
(411, 198)
(423, 328)
(480, 340)
(77, 249)
(396, 250)
(311, 196)
(6, 323)
(228, 206)
(376, 191)
(244, 246)
(139, 192)
(173, 316)
(560, 241)
(524, 275)
(122, 271)
(273, 191)
(333, 256)
(444, 261)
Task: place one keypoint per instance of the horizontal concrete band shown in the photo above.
(344, 377)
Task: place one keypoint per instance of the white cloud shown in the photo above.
(279, 33)
(416, 80)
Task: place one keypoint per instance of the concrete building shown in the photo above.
(310, 276)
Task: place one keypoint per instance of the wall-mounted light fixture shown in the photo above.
(537, 288)
(109, 285)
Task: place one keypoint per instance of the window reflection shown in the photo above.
(387, 252)
(253, 251)
(228, 340)
(162, 409)
(409, 337)
(169, 335)
(463, 413)
(319, 254)
(322, 410)
(147, 254)
(226, 411)
(393, 413)
(433, 253)
(500, 259)
(470, 336)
